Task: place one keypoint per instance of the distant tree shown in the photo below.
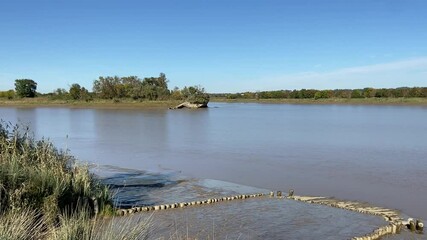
(308, 93)
(295, 94)
(324, 94)
(7, 94)
(356, 93)
(75, 91)
(417, 92)
(25, 87)
(195, 94)
(85, 95)
(383, 93)
(155, 88)
(176, 94)
(132, 87)
(162, 81)
(369, 92)
(108, 87)
(342, 93)
(151, 88)
(59, 94)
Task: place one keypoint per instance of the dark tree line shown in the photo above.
(403, 92)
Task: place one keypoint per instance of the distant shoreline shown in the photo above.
(97, 104)
(162, 104)
(340, 101)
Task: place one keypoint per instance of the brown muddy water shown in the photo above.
(375, 154)
(256, 218)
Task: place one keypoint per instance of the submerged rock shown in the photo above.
(190, 105)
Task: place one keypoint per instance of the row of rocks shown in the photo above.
(122, 212)
(391, 216)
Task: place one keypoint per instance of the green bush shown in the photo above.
(195, 94)
(36, 175)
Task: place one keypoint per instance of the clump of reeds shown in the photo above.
(79, 226)
(45, 193)
(36, 175)
(24, 224)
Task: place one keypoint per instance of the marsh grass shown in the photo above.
(36, 175)
(80, 226)
(46, 194)
(24, 224)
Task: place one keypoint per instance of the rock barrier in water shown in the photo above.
(395, 222)
(123, 212)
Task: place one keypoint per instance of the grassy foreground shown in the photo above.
(344, 101)
(46, 194)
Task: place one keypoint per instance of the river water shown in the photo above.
(375, 154)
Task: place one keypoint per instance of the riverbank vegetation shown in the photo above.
(134, 92)
(366, 96)
(46, 194)
(114, 88)
(403, 92)
(337, 101)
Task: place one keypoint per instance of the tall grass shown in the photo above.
(35, 174)
(24, 224)
(79, 226)
(45, 193)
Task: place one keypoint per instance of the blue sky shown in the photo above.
(225, 46)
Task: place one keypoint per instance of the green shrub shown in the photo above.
(36, 175)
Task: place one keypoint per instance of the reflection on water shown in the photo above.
(366, 153)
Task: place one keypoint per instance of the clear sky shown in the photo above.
(223, 45)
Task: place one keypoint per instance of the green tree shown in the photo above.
(7, 94)
(59, 94)
(85, 95)
(195, 94)
(108, 87)
(369, 92)
(324, 94)
(25, 87)
(176, 94)
(356, 93)
(75, 91)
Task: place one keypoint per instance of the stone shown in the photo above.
(419, 226)
(190, 105)
(120, 212)
(412, 226)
